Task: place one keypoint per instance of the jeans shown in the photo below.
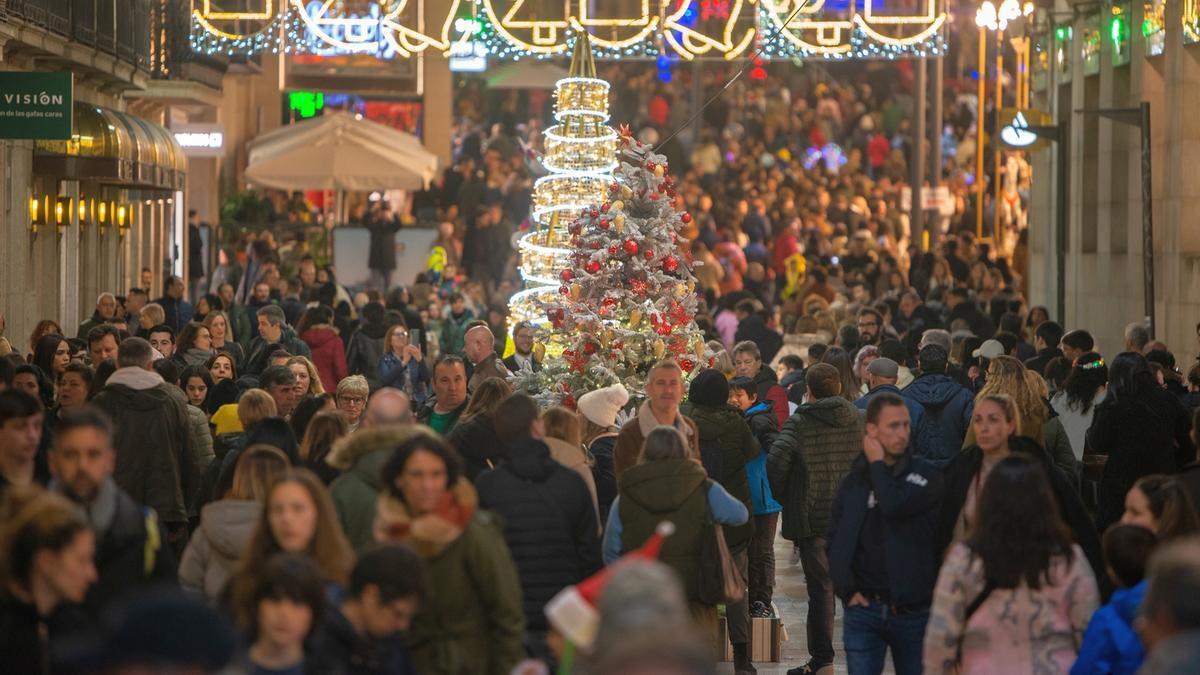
(869, 631)
(762, 558)
(815, 562)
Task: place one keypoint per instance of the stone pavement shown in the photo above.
(791, 597)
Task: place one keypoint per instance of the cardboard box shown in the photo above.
(766, 639)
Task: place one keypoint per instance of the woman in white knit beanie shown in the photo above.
(599, 410)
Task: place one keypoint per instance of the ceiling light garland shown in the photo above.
(508, 31)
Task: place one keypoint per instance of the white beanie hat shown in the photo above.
(601, 406)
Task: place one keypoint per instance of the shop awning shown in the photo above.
(114, 148)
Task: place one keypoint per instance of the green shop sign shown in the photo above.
(36, 105)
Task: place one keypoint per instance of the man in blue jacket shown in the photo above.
(882, 376)
(947, 407)
(882, 554)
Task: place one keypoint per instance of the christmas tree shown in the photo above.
(580, 155)
(626, 298)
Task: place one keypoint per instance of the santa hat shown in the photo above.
(602, 405)
(573, 611)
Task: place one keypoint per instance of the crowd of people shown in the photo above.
(336, 481)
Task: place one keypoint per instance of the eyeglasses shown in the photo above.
(867, 324)
(353, 400)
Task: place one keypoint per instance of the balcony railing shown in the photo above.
(116, 27)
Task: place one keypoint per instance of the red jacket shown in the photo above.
(328, 355)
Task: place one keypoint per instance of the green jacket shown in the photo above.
(360, 456)
(727, 426)
(473, 624)
(671, 490)
(808, 460)
(1058, 445)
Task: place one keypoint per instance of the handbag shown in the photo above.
(720, 580)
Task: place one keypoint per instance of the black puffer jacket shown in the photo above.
(1137, 438)
(549, 523)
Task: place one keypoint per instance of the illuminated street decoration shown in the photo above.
(515, 29)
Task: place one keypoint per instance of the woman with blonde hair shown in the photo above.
(217, 322)
(474, 437)
(999, 433)
(564, 434)
(213, 552)
(307, 380)
(325, 429)
(298, 517)
(1008, 376)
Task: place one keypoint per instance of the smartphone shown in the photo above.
(414, 338)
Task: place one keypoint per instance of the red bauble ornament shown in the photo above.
(649, 254)
(596, 245)
(671, 193)
(605, 207)
(653, 196)
(595, 213)
(567, 275)
(589, 348)
(638, 287)
(687, 365)
(569, 401)
(603, 223)
(631, 247)
(563, 289)
(686, 217)
(671, 263)
(592, 267)
(618, 344)
(612, 250)
(649, 166)
(614, 187)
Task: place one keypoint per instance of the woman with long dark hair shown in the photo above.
(1017, 595)
(52, 354)
(474, 436)
(1132, 426)
(474, 622)
(1076, 402)
(839, 358)
(1162, 505)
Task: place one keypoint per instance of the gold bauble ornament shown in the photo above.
(626, 192)
(660, 348)
(659, 171)
(576, 291)
(698, 348)
(619, 223)
(539, 351)
(618, 205)
(635, 318)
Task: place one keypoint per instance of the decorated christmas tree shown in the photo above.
(626, 297)
(580, 155)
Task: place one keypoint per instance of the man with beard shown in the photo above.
(523, 349)
(870, 327)
(130, 543)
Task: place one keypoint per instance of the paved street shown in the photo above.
(791, 598)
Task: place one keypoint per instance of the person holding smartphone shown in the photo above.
(403, 365)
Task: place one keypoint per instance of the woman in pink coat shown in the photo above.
(1015, 597)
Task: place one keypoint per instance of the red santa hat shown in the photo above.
(573, 611)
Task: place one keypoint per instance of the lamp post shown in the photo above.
(990, 17)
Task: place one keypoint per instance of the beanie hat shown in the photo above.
(572, 612)
(709, 388)
(602, 405)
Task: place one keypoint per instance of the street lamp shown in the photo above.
(990, 17)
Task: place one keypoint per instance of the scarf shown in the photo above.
(429, 534)
(647, 421)
(101, 511)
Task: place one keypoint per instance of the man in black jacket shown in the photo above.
(131, 549)
(549, 521)
(151, 438)
(1047, 336)
(882, 552)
